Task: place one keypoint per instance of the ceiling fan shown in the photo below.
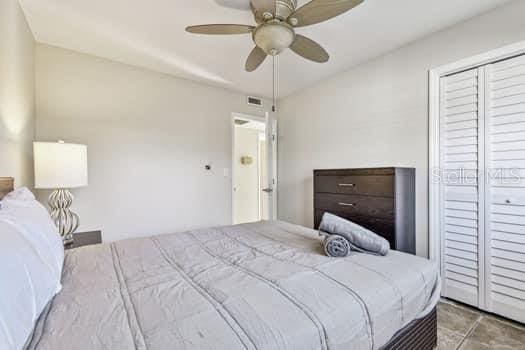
(275, 30)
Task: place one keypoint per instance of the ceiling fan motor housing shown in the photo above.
(274, 36)
(284, 8)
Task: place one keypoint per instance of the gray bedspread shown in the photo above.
(265, 285)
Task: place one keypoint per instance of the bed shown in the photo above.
(264, 285)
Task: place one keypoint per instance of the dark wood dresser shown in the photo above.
(381, 199)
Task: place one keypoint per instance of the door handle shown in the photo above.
(267, 190)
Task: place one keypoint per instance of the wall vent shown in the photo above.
(254, 101)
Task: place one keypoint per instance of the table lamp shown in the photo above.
(60, 166)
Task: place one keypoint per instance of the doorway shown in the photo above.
(253, 180)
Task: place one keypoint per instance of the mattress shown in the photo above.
(264, 285)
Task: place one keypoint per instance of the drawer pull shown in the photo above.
(347, 204)
(346, 185)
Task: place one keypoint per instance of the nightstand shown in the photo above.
(82, 239)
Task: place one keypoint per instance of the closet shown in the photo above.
(482, 187)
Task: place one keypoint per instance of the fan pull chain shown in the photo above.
(275, 82)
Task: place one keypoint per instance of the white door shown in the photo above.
(505, 196)
(460, 188)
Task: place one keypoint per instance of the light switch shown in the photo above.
(226, 172)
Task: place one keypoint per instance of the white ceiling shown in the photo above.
(151, 34)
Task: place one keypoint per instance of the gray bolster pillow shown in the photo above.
(360, 238)
(336, 246)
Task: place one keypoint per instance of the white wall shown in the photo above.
(149, 136)
(376, 114)
(17, 111)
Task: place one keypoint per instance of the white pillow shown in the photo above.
(20, 208)
(28, 284)
(21, 194)
(31, 258)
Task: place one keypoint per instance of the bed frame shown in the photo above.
(419, 334)
(6, 185)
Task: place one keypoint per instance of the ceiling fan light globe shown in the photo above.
(273, 38)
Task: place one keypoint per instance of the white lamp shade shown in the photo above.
(60, 165)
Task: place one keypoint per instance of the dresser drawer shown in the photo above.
(369, 185)
(377, 207)
(384, 228)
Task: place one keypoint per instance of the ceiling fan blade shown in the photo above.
(309, 49)
(220, 29)
(235, 4)
(260, 7)
(317, 11)
(263, 6)
(256, 57)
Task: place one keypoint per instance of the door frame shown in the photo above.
(270, 124)
(435, 75)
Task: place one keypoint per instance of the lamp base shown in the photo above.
(66, 220)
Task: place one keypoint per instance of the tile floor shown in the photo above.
(464, 328)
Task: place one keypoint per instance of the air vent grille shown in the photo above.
(254, 101)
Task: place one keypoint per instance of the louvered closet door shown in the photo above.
(461, 202)
(505, 196)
